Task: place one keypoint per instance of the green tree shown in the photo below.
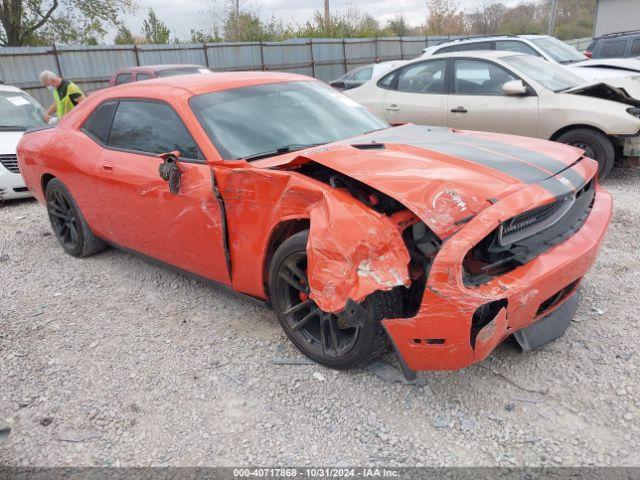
(398, 26)
(574, 18)
(523, 18)
(124, 36)
(243, 27)
(38, 22)
(154, 30)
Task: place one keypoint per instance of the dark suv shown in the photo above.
(615, 45)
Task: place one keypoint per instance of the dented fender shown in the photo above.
(353, 250)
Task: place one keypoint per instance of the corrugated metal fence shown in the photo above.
(323, 58)
(91, 67)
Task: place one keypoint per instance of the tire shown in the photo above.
(350, 347)
(68, 224)
(595, 144)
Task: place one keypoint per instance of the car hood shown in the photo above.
(444, 176)
(629, 64)
(9, 141)
(623, 90)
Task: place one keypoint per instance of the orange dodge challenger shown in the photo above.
(444, 242)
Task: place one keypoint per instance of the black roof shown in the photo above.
(618, 34)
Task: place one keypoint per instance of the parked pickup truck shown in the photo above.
(147, 72)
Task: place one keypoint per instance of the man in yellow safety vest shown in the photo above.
(66, 94)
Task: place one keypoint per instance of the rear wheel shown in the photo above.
(327, 338)
(68, 224)
(595, 144)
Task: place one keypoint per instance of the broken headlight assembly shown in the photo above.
(635, 111)
(526, 236)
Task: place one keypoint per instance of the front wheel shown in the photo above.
(326, 338)
(69, 226)
(596, 145)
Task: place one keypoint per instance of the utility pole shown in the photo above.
(552, 16)
(327, 15)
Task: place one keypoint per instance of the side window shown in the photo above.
(140, 76)
(123, 78)
(515, 46)
(450, 49)
(349, 75)
(613, 49)
(99, 122)
(427, 77)
(150, 127)
(364, 74)
(473, 77)
(635, 48)
(475, 46)
(388, 80)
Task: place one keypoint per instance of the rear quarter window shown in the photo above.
(446, 49)
(123, 78)
(634, 51)
(99, 122)
(387, 81)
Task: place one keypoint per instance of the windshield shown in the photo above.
(550, 76)
(19, 111)
(249, 121)
(173, 72)
(558, 50)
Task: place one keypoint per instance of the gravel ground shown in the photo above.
(113, 361)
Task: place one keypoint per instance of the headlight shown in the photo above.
(635, 111)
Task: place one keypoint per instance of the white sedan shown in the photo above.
(507, 92)
(18, 112)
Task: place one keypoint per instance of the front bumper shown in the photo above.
(12, 185)
(439, 336)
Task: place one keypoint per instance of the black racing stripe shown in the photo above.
(521, 171)
(556, 188)
(505, 159)
(444, 141)
(548, 163)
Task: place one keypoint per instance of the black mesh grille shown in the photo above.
(10, 162)
(531, 218)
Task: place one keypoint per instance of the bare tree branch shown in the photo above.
(42, 21)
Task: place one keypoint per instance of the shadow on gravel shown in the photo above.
(17, 203)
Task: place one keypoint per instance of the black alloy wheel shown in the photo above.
(327, 338)
(325, 334)
(63, 220)
(68, 224)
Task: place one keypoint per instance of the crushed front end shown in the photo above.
(514, 267)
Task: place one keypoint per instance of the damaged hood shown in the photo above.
(444, 176)
(623, 90)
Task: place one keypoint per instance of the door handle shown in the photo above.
(459, 110)
(107, 167)
(392, 107)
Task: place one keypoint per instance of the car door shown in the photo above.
(476, 100)
(417, 94)
(138, 211)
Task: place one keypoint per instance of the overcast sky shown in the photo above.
(183, 15)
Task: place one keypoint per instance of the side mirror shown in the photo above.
(170, 170)
(514, 88)
(340, 85)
